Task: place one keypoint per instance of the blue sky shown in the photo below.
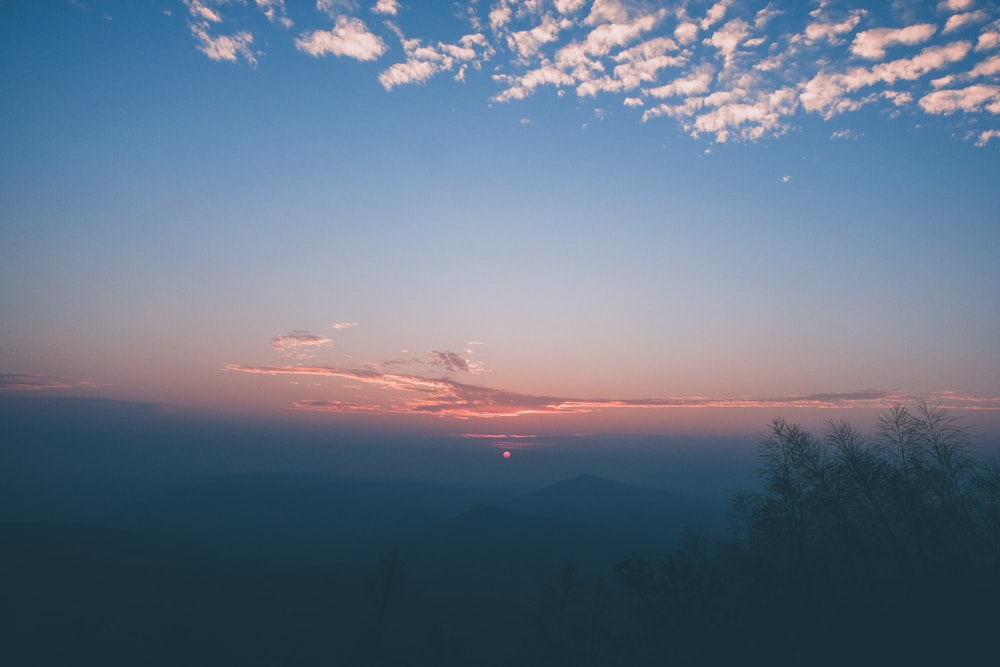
(567, 216)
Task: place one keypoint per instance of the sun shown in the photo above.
(506, 455)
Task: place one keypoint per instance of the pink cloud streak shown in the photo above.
(444, 397)
(40, 382)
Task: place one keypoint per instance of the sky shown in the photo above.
(499, 218)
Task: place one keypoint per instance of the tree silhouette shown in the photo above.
(890, 542)
(384, 586)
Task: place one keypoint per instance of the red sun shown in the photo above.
(506, 455)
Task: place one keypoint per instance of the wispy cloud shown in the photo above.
(450, 361)
(344, 325)
(300, 344)
(444, 397)
(16, 382)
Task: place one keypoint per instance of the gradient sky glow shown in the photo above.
(500, 217)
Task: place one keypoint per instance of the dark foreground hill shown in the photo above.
(304, 569)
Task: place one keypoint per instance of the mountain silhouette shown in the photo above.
(635, 509)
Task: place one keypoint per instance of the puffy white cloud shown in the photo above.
(715, 14)
(831, 31)
(528, 42)
(520, 87)
(958, 5)
(959, 21)
(723, 69)
(500, 16)
(695, 84)
(727, 38)
(387, 7)
(642, 64)
(988, 67)
(970, 99)
(747, 119)
(686, 32)
(349, 37)
(607, 11)
(989, 38)
(602, 39)
(225, 47)
(872, 44)
(569, 6)
(931, 58)
(830, 93)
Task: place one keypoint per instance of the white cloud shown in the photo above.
(720, 68)
(763, 17)
(695, 84)
(387, 7)
(642, 63)
(607, 36)
(988, 67)
(970, 99)
(958, 5)
(528, 42)
(829, 93)
(871, 44)
(275, 12)
(832, 31)
(424, 61)
(569, 6)
(686, 32)
(523, 86)
(727, 38)
(959, 21)
(988, 39)
(500, 16)
(199, 11)
(748, 120)
(931, 58)
(986, 136)
(225, 47)
(841, 135)
(607, 11)
(715, 14)
(898, 98)
(349, 37)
